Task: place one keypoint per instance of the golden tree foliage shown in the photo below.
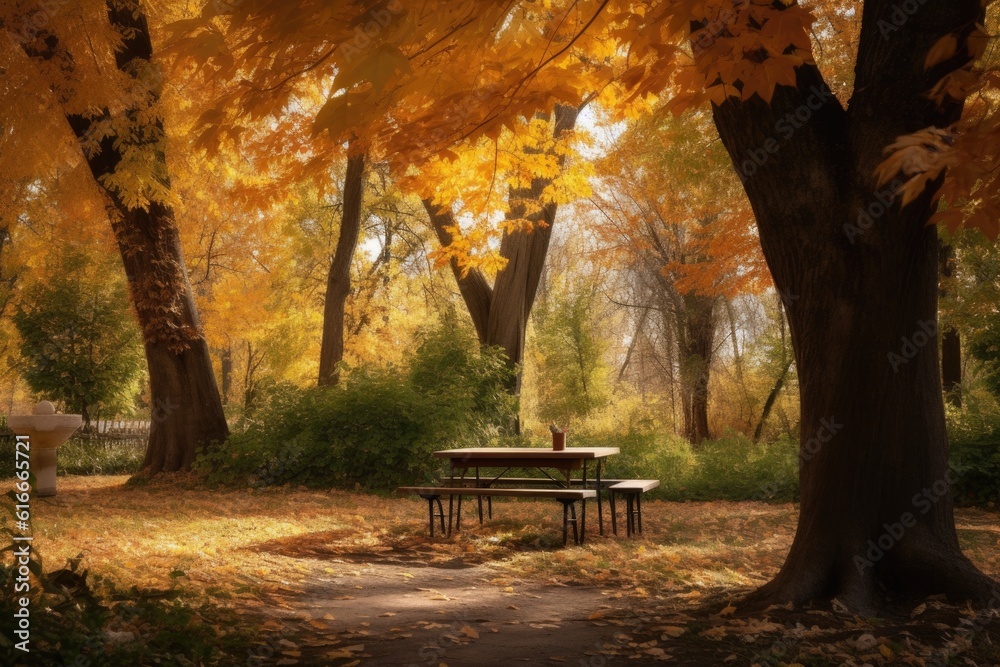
(967, 152)
(667, 195)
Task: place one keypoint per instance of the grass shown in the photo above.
(85, 456)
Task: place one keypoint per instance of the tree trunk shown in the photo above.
(186, 407)
(951, 342)
(876, 512)
(500, 314)
(769, 403)
(338, 284)
(227, 372)
(696, 363)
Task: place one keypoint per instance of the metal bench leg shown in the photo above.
(628, 515)
(565, 520)
(458, 515)
(489, 506)
(431, 515)
(577, 535)
(600, 514)
(479, 499)
(638, 510)
(583, 519)
(614, 517)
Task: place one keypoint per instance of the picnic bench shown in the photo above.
(567, 497)
(632, 489)
(566, 461)
(466, 478)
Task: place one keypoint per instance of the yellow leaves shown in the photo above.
(922, 156)
(942, 50)
(728, 611)
(377, 68)
(340, 113)
(762, 79)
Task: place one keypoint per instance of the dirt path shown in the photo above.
(405, 615)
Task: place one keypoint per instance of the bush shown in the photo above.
(378, 428)
(975, 455)
(79, 342)
(729, 468)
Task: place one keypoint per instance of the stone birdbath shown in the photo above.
(46, 431)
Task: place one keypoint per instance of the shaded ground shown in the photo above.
(344, 579)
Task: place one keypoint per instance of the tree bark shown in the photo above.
(951, 342)
(696, 362)
(500, 313)
(227, 372)
(876, 512)
(186, 407)
(338, 284)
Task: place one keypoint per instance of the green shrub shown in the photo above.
(377, 429)
(729, 468)
(975, 455)
(79, 343)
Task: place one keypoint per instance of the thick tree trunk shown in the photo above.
(338, 284)
(692, 317)
(876, 512)
(186, 407)
(500, 313)
(696, 363)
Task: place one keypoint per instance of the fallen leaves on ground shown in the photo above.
(672, 594)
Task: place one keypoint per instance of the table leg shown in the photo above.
(451, 498)
(480, 498)
(600, 512)
(458, 505)
(614, 514)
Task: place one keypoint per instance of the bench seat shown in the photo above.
(632, 489)
(526, 481)
(635, 485)
(568, 498)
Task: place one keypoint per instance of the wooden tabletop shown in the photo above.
(471, 453)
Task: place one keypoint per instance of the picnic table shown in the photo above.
(566, 461)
